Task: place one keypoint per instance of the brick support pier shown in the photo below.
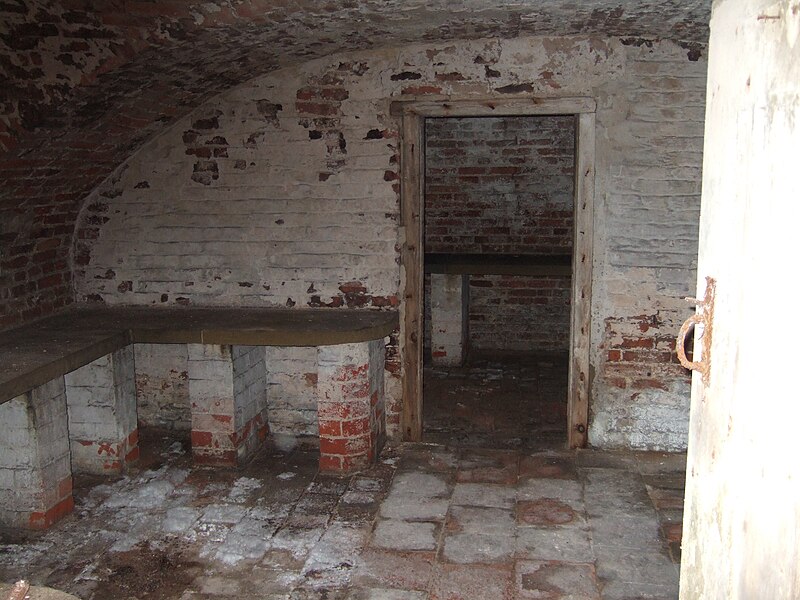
(227, 392)
(449, 318)
(35, 475)
(101, 403)
(351, 401)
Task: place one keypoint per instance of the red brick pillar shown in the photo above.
(35, 474)
(350, 405)
(227, 393)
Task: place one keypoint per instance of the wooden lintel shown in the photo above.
(498, 106)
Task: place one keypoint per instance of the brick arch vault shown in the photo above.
(85, 86)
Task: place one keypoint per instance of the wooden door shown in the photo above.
(742, 513)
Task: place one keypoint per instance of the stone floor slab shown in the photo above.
(555, 580)
(470, 548)
(565, 490)
(605, 459)
(414, 509)
(429, 458)
(500, 475)
(403, 535)
(619, 590)
(626, 531)
(472, 582)
(478, 519)
(546, 465)
(560, 544)
(658, 463)
(392, 569)
(405, 529)
(483, 494)
(548, 512)
(386, 594)
(639, 566)
(419, 485)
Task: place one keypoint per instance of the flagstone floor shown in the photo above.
(479, 512)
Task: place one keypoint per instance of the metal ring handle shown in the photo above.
(680, 344)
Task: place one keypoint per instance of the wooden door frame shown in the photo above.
(413, 113)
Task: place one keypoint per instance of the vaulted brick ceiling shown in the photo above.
(119, 48)
(85, 83)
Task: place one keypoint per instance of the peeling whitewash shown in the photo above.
(284, 192)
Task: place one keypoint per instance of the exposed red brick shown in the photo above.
(133, 437)
(65, 487)
(355, 428)
(641, 384)
(357, 445)
(330, 463)
(43, 520)
(132, 456)
(637, 343)
(330, 428)
(333, 446)
(618, 382)
(201, 439)
(225, 458)
(337, 94)
(317, 108)
(334, 411)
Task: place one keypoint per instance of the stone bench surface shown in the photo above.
(34, 354)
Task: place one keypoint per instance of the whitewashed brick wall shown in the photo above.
(292, 393)
(284, 192)
(93, 392)
(250, 391)
(648, 206)
(162, 386)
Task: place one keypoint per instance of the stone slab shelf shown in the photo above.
(34, 354)
(543, 265)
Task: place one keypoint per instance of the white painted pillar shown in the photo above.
(101, 402)
(227, 393)
(35, 475)
(449, 318)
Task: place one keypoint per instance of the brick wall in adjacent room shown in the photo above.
(504, 185)
(522, 313)
(499, 185)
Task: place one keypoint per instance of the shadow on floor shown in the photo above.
(498, 400)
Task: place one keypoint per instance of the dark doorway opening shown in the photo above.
(498, 241)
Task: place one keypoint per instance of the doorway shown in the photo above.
(498, 225)
(414, 114)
